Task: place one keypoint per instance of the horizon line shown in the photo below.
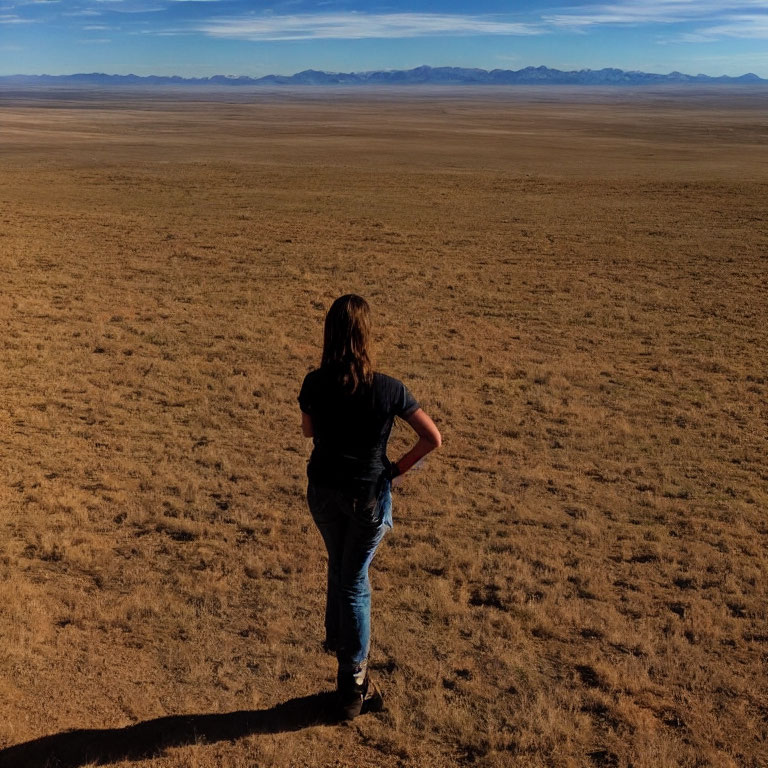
(388, 70)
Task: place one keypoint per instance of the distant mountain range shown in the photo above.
(418, 76)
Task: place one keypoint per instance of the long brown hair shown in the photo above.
(347, 342)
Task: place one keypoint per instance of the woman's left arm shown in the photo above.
(306, 425)
(429, 440)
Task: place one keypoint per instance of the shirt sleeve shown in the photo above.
(405, 403)
(305, 395)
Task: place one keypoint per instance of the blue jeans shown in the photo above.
(352, 528)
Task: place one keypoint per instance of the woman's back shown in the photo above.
(351, 429)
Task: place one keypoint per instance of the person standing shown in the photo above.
(348, 409)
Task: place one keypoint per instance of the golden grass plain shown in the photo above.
(575, 286)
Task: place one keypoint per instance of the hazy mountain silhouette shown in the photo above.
(419, 76)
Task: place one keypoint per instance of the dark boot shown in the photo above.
(358, 698)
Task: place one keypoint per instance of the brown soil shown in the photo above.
(575, 286)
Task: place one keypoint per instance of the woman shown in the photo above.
(348, 409)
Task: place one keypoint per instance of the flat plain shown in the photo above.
(574, 283)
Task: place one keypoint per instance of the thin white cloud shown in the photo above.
(636, 12)
(9, 18)
(128, 6)
(138, 9)
(686, 37)
(747, 26)
(708, 20)
(355, 26)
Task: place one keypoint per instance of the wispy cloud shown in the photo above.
(10, 18)
(127, 6)
(91, 7)
(635, 12)
(355, 25)
(747, 26)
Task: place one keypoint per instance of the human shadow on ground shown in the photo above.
(75, 748)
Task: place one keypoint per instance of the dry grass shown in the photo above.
(574, 286)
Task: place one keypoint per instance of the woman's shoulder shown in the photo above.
(398, 397)
(385, 381)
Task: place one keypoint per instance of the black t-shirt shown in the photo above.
(351, 431)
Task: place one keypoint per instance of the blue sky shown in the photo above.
(206, 37)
